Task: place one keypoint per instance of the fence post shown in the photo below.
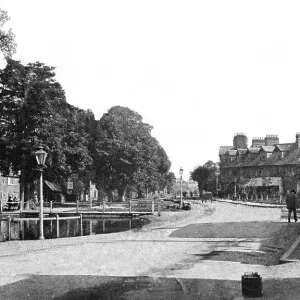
(77, 206)
(103, 206)
(159, 208)
(81, 228)
(57, 226)
(130, 206)
(50, 206)
(152, 206)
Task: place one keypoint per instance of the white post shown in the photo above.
(41, 207)
(50, 206)
(77, 206)
(152, 206)
(81, 228)
(130, 206)
(8, 228)
(180, 192)
(0, 205)
(103, 206)
(57, 226)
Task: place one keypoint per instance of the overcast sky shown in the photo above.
(198, 71)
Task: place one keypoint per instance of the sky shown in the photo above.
(197, 71)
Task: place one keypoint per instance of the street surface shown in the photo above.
(197, 254)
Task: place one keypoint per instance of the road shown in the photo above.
(197, 254)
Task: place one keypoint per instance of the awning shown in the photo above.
(53, 186)
(264, 181)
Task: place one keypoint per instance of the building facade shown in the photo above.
(9, 186)
(263, 170)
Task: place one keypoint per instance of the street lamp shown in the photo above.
(40, 156)
(217, 174)
(234, 195)
(180, 172)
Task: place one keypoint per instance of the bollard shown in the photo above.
(103, 206)
(81, 227)
(77, 206)
(152, 207)
(50, 207)
(57, 226)
(252, 285)
(159, 208)
(8, 228)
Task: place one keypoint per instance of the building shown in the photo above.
(9, 186)
(265, 169)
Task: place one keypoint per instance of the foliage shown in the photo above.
(128, 156)
(7, 38)
(170, 181)
(35, 112)
(200, 174)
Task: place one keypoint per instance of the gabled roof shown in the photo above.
(253, 149)
(291, 159)
(232, 152)
(283, 147)
(267, 148)
(224, 149)
(53, 186)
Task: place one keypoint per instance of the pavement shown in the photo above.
(163, 260)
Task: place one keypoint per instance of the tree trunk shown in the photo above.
(121, 194)
(110, 195)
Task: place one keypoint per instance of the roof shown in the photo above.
(232, 152)
(284, 147)
(224, 149)
(268, 181)
(254, 149)
(292, 158)
(267, 148)
(53, 186)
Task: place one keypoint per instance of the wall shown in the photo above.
(9, 186)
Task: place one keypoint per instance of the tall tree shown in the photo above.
(7, 38)
(128, 156)
(35, 112)
(200, 174)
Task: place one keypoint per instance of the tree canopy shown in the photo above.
(128, 155)
(34, 112)
(200, 174)
(7, 38)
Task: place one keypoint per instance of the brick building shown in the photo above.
(265, 169)
(9, 186)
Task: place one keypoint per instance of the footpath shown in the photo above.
(293, 253)
(160, 261)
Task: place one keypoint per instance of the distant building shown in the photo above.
(266, 169)
(9, 186)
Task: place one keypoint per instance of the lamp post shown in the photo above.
(40, 156)
(180, 172)
(217, 174)
(234, 195)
